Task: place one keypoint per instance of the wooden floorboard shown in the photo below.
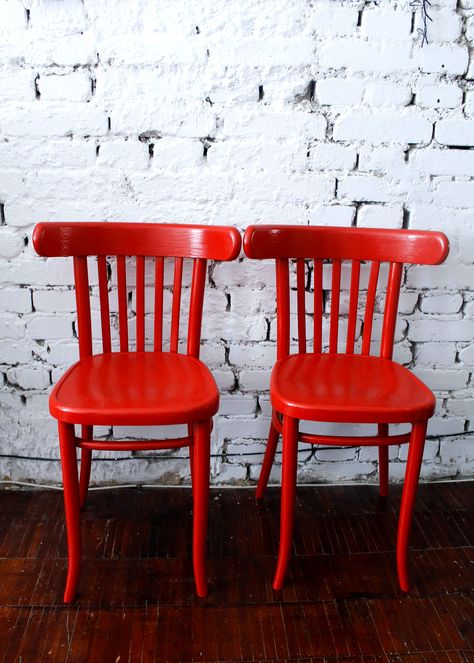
(341, 602)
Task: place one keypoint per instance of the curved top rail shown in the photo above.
(144, 239)
(379, 244)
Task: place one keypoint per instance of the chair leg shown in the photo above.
(383, 463)
(86, 461)
(202, 434)
(288, 494)
(412, 473)
(67, 446)
(272, 443)
(191, 455)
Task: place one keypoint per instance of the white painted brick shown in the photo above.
(14, 353)
(466, 355)
(43, 120)
(335, 215)
(13, 16)
(11, 243)
(70, 50)
(454, 194)
(328, 156)
(445, 426)
(237, 404)
(360, 56)
(390, 160)
(17, 85)
(443, 380)
(446, 59)
(383, 127)
(379, 216)
(255, 122)
(455, 132)
(258, 354)
(441, 330)
(16, 300)
(263, 53)
(445, 25)
(444, 303)
(125, 153)
(254, 380)
(340, 91)
(469, 104)
(441, 276)
(458, 452)
(326, 19)
(430, 451)
(51, 301)
(67, 16)
(442, 95)
(462, 407)
(444, 162)
(386, 93)
(387, 25)
(364, 188)
(11, 327)
(172, 154)
(29, 378)
(65, 87)
(436, 354)
(50, 327)
(331, 455)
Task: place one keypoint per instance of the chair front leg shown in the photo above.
(412, 473)
(288, 494)
(383, 463)
(67, 446)
(201, 463)
(86, 461)
(272, 443)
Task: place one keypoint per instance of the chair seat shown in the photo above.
(348, 389)
(135, 388)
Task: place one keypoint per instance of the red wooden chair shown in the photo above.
(135, 388)
(340, 385)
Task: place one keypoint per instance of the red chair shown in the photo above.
(135, 388)
(340, 385)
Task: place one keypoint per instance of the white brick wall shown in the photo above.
(327, 113)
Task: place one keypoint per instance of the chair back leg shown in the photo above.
(272, 443)
(288, 494)
(201, 468)
(67, 447)
(412, 473)
(383, 463)
(86, 462)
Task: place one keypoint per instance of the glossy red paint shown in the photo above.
(347, 384)
(135, 387)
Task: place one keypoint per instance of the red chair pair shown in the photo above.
(160, 388)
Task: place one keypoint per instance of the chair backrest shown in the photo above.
(147, 242)
(309, 247)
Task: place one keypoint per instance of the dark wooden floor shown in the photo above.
(137, 600)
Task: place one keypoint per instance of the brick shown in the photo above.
(387, 93)
(435, 354)
(52, 301)
(49, 327)
(443, 380)
(13, 16)
(116, 154)
(65, 87)
(383, 127)
(364, 188)
(384, 25)
(466, 355)
(325, 19)
(455, 132)
(441, 276)
(330, 156)
(15, 300)
(440, 330)
(443, 95)
(444, 162)
(17, 85)
(27, 377)
(360, 56)
(443, 59)
(445, 26)
(379, 216)
(444, 303)
(11, 327)
(335, 215)
(339, 91)
(11, 243)
(44, 120)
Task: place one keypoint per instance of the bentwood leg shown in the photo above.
(383, 463)
(202, 432)
(288, 494)
(415, 455)
(86, 461)
(67, 446)
(272, 442)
